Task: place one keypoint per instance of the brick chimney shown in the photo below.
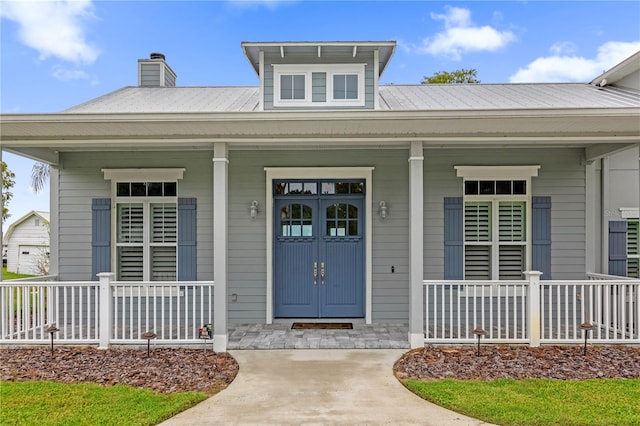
(155, 72)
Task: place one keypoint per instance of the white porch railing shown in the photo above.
(532, 311)
(105, 312)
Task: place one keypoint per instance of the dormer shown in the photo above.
(319, 75)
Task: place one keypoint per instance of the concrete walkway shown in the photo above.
(317, 387)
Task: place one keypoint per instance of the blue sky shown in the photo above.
(57, 54)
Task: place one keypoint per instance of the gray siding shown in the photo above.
(81, 180)
(247, 243)
(561, 176)
(319, 87)
(313, 59)
(150, 74)
(623, 182)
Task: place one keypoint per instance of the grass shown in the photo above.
(538, 402)
(12, 276)
(48, 403)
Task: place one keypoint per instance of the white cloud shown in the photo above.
(563, 48)
(66, 74)
(461, 36)
(562, 67)
(53, 28)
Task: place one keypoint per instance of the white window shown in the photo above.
(292, 87)
(145, 223)
(345, 86)
(497, 207)
(318, 85)
(146, 232)
(633, 255)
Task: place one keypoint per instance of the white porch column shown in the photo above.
(416, 248)
(593, 224)
(605, 215)
(533, 307)
(220, 243)
(53, 219)
(106, 309)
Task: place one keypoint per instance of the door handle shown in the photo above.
(315, 273)
(322, 273)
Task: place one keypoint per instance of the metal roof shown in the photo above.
(504, 96)
(172, 99)
(436, 97)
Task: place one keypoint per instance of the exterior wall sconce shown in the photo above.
(382, 211)
(253, 209)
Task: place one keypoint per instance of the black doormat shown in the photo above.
(322, 326)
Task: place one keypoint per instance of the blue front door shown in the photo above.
(319, 254)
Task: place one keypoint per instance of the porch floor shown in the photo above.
(281, 336)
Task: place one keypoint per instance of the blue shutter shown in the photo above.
(100, 236)
(541, 236)
(187, 261)
(453, 238)
(618, 248)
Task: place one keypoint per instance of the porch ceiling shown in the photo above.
(39, 136)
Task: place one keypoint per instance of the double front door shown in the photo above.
(319, 256)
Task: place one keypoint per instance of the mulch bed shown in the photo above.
(520, 362)
(166, 370)
(169, 370)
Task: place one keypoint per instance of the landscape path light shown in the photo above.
(52, 329)
(586, 326)
(479, 332)
(148, 336)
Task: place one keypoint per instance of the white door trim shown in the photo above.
(320, 173)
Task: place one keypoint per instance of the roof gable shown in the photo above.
(43, 215)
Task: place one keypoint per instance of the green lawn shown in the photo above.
(47, 403)
(11, 276)
(535, 402)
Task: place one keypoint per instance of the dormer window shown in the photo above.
(292, 87)
(345, 86)
(318, 85)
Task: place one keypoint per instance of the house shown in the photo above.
(27, 244)
(321, 193)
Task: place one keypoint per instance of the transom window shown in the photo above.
(146, 189)
(342, 187)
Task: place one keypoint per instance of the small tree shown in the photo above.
(39, 176)
(8, 180)
(461, 76)
(42, 261)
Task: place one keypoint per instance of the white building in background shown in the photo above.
(27, 244)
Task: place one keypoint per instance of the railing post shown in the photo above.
(106, 310)
(533, 306)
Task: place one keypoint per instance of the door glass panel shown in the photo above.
(342, 220)
(296, 220)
